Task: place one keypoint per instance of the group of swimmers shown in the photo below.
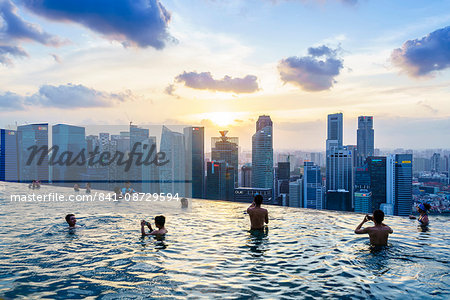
(76, 188)
(259, 218)
(35, 184)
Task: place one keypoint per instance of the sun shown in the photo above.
(222, 118)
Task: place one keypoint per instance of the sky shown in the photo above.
(221, 64)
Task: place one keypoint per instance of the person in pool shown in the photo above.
(117, 193)
(258, 215)
(88, 188)
(159, 222)
(128, 189)
(379, 233)
(422, 209)
(76, 187)
(184, 203)
(71, 220)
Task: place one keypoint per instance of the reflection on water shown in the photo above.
(209, 252)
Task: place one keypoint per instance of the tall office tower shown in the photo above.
(194, 138)
(340, 176)
(104, 140)
(150, 172)
(137, 136)
(219, 180)
(8, 155)
(92, 141)
(436, 163)
(312, 186)
(262, 154)
(363, 201)
(335, 131)
(246, 175)
(403, 184)
(365, 139)
(226, 149)
(282, 174)
(377, 166)
(122, 142)
(68, 138)
(354, 151)
(295, 193)
(173, 174)
(362, 177)
(33, 167)
(421, 164)
(263, 121)
(316, 157)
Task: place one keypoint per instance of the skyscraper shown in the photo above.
(150, 172)
(377, 166)
(194, 138)
(363, 201)
(295, 193)
(33, 167)
(137, 136)
(365, 139)
(246, 175)
(262, 154)
(219, 180)
(225, 148)
(403, 184)
(436, 163)
(335, 130)
(8, 155)
(312, 186)
(340, 173)
(68, 138)
(173, 174)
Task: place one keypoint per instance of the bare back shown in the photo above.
(258, 216)
(379, 234)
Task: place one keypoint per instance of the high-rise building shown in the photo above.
(340, 172)
(262, 154)
(436, 163)
(312, 186)
(365, 139)
(362, 177)
(335, 130)
(403, 184)
(8, 155)
(247, 194)
(150, 172)
(194, 138)
(377, 167)
(363, 201)
(33, 167)
(295, 193)
(137, 137)
(219, 180)
(246, 175)
(225, 148)
(73, 139)
(104, 140)
(173, 174)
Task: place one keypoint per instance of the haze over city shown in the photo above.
(221, 64)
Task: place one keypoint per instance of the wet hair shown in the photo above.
(160, 220)
(258, 200)
(427, 206)
(117, 190)
(68, 218)
(378, 216)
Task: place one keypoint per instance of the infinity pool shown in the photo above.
(208, 253)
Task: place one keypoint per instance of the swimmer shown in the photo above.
(76, 187)
(379, 233)
(128, 189)
(88, 188)
(117, 193)
(71, 220)
(184, 203)
(422, 209)
(258, 215)
(159, 222)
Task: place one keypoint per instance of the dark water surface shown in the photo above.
(208, 253)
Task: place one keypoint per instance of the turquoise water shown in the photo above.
(208, 253)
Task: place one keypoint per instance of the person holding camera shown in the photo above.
(159, 222)
(258, 215)
(379, 233)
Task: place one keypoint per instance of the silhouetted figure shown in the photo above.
(379, 233)
(184, 203)
(258, 215)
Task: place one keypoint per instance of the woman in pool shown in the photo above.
(422, 210)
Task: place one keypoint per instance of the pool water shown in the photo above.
(209, 253)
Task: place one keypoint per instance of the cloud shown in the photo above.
(427, 106)
(422, 57)
(7, 51)
(141, 23)
(67, 96)
(205, 81)
(56, 58)
(170, 89)
(15, 28)
(315, 72)
(11, 101)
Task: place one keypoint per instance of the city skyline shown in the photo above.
(174, 63)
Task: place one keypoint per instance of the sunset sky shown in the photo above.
(221, 64)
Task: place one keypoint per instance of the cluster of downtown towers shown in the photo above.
(355, 180)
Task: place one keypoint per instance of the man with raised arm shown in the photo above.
(258, 215)
(379, 233)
